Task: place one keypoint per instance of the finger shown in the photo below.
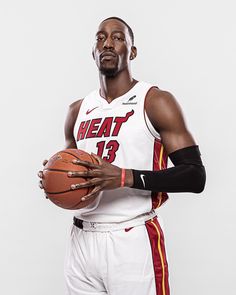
(41, 184)
(93, 193)
(87, 173)
(99, 159)
(89, 183)
(40, 174)
(85, 164)
(45, 162)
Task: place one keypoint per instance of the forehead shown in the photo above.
(111, 25)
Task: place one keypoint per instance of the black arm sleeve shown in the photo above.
(188, 175)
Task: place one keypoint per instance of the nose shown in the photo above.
(108, 44)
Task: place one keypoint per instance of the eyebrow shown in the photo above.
(100, 32)
(113, 32)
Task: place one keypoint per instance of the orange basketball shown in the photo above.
(57, 183)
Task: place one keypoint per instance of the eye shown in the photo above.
(100, 37)
(118, 38)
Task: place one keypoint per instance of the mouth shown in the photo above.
(108, 55)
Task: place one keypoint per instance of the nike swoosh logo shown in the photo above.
(89, 111)
(142, 178)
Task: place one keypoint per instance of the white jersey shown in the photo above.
(120, 133)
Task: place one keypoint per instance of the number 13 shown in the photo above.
(112, 146)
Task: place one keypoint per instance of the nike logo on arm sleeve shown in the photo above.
(142, 178)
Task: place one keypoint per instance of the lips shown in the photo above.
(107, 54)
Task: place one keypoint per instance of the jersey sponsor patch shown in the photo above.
(130, 100)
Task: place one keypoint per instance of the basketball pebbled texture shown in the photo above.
(57, 183)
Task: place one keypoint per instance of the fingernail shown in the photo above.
(75, 161)
(70, 173)
(83, 199)
(75, 186)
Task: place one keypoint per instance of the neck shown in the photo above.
(113, 87)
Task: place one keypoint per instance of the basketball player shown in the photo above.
(130, 127)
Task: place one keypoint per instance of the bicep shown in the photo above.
(166, 116)
(174, 141)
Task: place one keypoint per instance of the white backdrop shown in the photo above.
(186, 47)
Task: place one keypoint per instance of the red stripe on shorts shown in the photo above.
(160, 264)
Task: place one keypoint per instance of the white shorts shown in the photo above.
(127, 258)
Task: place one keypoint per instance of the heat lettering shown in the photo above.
(119, 121)
(105, 129)
(94, 125)
(82, 130)
(110, 126)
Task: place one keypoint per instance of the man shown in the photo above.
(117, 243)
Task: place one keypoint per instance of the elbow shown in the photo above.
(199, 189)
(200, 179)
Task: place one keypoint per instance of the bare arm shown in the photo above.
(72, 114)
(166, 116)
(69, 132)
(188, 175)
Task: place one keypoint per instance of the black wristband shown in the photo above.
(188, 175)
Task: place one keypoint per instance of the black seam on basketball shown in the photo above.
(56, 193)
(70, 190)
(80, 159)
(70, 154)
(57, 170)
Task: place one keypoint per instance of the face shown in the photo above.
(113, 48)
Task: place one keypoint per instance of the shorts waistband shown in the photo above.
(113, 226)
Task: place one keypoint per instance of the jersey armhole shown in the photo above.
(82, 100)
(147, 121)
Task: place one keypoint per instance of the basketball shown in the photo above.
(57, 183)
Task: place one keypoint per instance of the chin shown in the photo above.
(109, 72)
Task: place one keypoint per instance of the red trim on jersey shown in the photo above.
(159, 163)
(160, 264)
(144, 108)
(159, 160)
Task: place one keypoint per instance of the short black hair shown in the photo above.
(125, 23)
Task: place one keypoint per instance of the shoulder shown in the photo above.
(75, 106)
(156, 96)
(72, 113)
(70, 122)
(162, 107)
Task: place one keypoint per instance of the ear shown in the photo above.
(93, 51)
(133, 52)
